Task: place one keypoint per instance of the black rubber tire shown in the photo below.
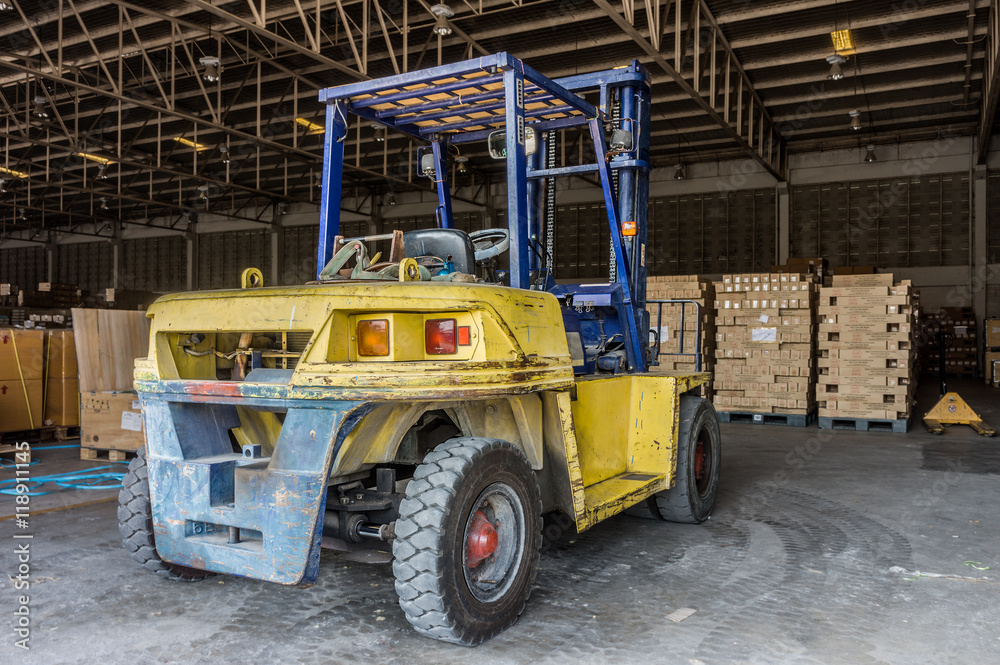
(645, 509)
(686, 502)
(431, 580)
(135, 524)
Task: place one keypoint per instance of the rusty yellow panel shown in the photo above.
(523, 341)
(601, 415)
(257, 428)
(652, 425)
(614, 495)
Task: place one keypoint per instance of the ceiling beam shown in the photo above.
(755, 144)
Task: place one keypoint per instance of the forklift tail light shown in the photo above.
(373, 337)
(629, 229)
(440, 336)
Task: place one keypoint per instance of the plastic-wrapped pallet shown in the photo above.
(867, 355)
(765, 346)
(675, 357)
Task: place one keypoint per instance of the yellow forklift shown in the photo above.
(411, 405)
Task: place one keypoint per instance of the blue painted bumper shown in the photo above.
(200, 488)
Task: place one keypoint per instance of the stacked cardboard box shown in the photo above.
(110, 415)
(813, 266)
(992, 370)
(866, 343)
(21, 372)
(962, 356)
(62, 385)
(765, 343)
(682, 287)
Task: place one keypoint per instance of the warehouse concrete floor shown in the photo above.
(810, 557)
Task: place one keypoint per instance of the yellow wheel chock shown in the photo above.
(952, 410)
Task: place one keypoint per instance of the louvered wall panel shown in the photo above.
(299, 254)
(24, 267)
(896, 222)
(89, 265)
(155, 264)
(222, 257)
(993, 217)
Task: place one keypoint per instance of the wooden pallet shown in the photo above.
(866, 424)
(105, 455)
(43, 434)
(785, 419)
(12, 455)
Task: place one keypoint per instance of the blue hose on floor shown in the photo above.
(91, 479)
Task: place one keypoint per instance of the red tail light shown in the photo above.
(440, 337)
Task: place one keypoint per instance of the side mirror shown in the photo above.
(497, 143)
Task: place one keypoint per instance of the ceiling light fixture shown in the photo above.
(835, 60)
(39, 110)
(212, 69)
(4, 7)
(204, 192)
(870, 155)
(442, 12)
(94, 158)
(391, 199)
(3, 186)
(22, 217)
(313, 127)
(191, 144)
(104, 203)
(16, 174)
(379, 132)
(679, 172)
(102, 172)
(224, 151)
(462, 164)
(842, 40)
(855, 120)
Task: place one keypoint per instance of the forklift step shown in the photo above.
(866, 425)
(611, 496)
(786, 419)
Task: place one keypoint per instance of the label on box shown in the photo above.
(764, 335)
(758, 418)
(132, 421)
(764, 318)
(136, 406)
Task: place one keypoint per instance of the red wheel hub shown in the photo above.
(482, 541)
(699, 461)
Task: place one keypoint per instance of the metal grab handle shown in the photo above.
(697, 331)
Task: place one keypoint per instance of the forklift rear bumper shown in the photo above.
(216, 510)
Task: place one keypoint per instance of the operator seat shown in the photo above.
(442, 243)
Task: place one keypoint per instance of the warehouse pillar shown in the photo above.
(191, 240)
(117, 263)
(50, 262)
(277, 254)
(784, 235)
(980, 269)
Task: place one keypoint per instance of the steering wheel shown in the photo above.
(490, 243)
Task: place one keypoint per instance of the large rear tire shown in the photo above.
(699, 456)
(467, 540)
(135, 524)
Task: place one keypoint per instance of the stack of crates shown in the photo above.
(675, 357)
(992, 370)
(866, 343)
(961, 357)
(765, 348)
